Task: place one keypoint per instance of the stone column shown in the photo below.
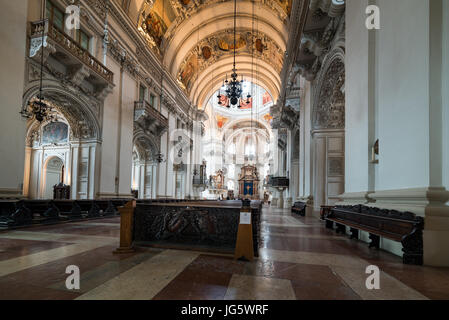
(142, 180)
(74, 165)
(289, 172)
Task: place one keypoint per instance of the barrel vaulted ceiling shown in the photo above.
(194, 39)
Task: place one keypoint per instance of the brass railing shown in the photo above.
(65, 41)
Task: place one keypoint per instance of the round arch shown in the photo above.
(147, 146)
(77, 111)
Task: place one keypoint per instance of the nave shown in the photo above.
(299, 259)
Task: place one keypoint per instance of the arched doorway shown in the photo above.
(328, 135)
(145, 166)
(295, 172)
(47, 154)
(71, 134)
(53, 175)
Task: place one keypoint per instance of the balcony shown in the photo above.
(279, 182)
(79, 65)
(199, 181)
(149, 119)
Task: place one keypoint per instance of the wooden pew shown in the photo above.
(299, 208)
(68, 209)
(86, 207)
(404, 227)
(325, 210)
(14, 213)
(8, 207)
(43, 210)
(101, 208)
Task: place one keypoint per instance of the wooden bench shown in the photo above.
(14, 213)
(43, 210)
(404, 227)
(101, 208)
(68, 209)
(17, 213)
(324, 211)
(299, 208)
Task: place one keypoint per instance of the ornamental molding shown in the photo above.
(71, 82)
(333, 8)
(186, 11)
(270, 53)
(152, 63)
(148, 146)
(328, 111)
(83, 121)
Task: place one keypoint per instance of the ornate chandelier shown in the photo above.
(40, 110)
(233, 87)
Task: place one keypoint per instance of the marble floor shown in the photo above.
(299, 259)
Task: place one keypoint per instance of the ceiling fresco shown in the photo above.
(218, 46)
(191, 37)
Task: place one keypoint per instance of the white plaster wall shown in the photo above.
(110, 134)
(13, 16)
(162, 168)
(356, 94)
(129, 96)
(403, 82)
(319, 167)
(170, 190)
(308, 183)
(445, 93)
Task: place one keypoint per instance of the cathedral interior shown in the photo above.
(224, 149)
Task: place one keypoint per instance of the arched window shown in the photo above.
(232, 149)
(250, 147)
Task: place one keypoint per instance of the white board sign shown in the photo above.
(245, 217)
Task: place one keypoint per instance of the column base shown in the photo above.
(288, 203)
(281, 203)
(354, 198)
(310, 210)
(124, 250)
(11, 194)
(105, 195)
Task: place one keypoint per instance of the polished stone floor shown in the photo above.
(299, 259)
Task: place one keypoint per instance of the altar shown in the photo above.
(249, 183)
(217, 185)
